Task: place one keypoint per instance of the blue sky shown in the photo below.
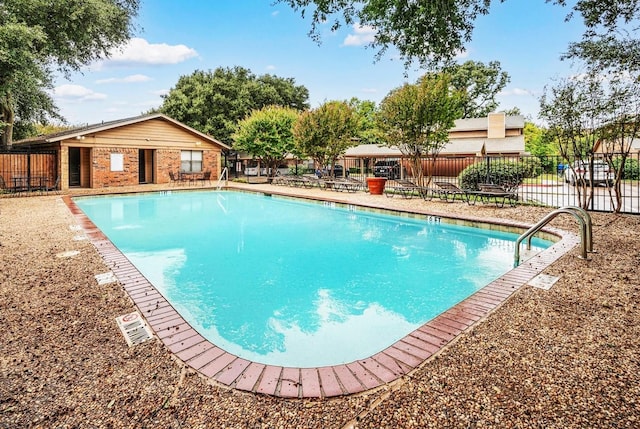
(175, 38)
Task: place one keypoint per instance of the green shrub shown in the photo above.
(500, 173)
(631, 168)
(532, 166)
(549, 164)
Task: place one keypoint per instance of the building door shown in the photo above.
(145, 166)
(74, 166)
(142, 176)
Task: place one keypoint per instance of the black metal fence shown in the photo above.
(548, 181)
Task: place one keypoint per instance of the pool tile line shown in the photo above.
(392, 363)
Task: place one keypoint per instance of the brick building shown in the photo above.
(131, 151)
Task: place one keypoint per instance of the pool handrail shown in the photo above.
(586, 235)
(225, 175)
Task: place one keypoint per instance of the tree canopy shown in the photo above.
(417, 118)
(325, 133)
(537, 141)
(267, 134)
(586, 112)
(479, 84)
(214, 102)
(40, 36)
(610, 39)
(431, 33)
(366, 110)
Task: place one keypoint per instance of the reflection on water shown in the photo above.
(159, 267)
(338, 329)
(289, 283)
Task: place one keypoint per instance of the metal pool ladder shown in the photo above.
(224, 175)
(584, 219)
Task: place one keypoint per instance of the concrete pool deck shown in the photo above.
(387, 366)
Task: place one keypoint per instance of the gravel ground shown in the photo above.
(563, 358)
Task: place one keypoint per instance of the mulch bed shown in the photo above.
(564, 358)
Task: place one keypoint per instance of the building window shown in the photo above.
(191, 161)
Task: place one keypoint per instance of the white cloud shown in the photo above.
(517, 91)
(139, 51)
(275, 13)
(271, 67)
(134, 78)
(369, 90)
(77, 93)
(160, 92)
(362, 35)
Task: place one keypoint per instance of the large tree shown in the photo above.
(325, 133)
(610, 40)
(214, 102)
(38, 37)
(621, 129)
(416, 118)
(428, 31)
(433, 32)
(366, 111)
(479, 84)
(576, 111)
(267, 134)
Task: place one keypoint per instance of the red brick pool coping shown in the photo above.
(378, 370)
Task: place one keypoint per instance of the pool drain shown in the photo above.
(133, 328)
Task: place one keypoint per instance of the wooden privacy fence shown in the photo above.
(28, 171)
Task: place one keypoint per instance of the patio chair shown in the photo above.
(405, 188)
(497, 193)
(174, 178)
(206, 177)
(3, 185)
(280, 179)
(356, 184)
(55, 187)
(344, 184)
(449, 192)
(311, 180)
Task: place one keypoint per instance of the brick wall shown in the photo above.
(166, 160)
(101, 165)
(211, 162)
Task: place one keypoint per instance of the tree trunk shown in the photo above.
(7, 133)
(416, 166)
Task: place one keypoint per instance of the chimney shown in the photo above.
(496, 128)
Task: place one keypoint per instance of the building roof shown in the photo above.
(460, 146)
(476, 124)
(470, 146)
(513, 144)
(103, 126)
(632, 146)
(372, 151)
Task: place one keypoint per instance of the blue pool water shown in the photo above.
(293, 283)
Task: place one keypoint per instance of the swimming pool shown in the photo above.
(292, 283)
